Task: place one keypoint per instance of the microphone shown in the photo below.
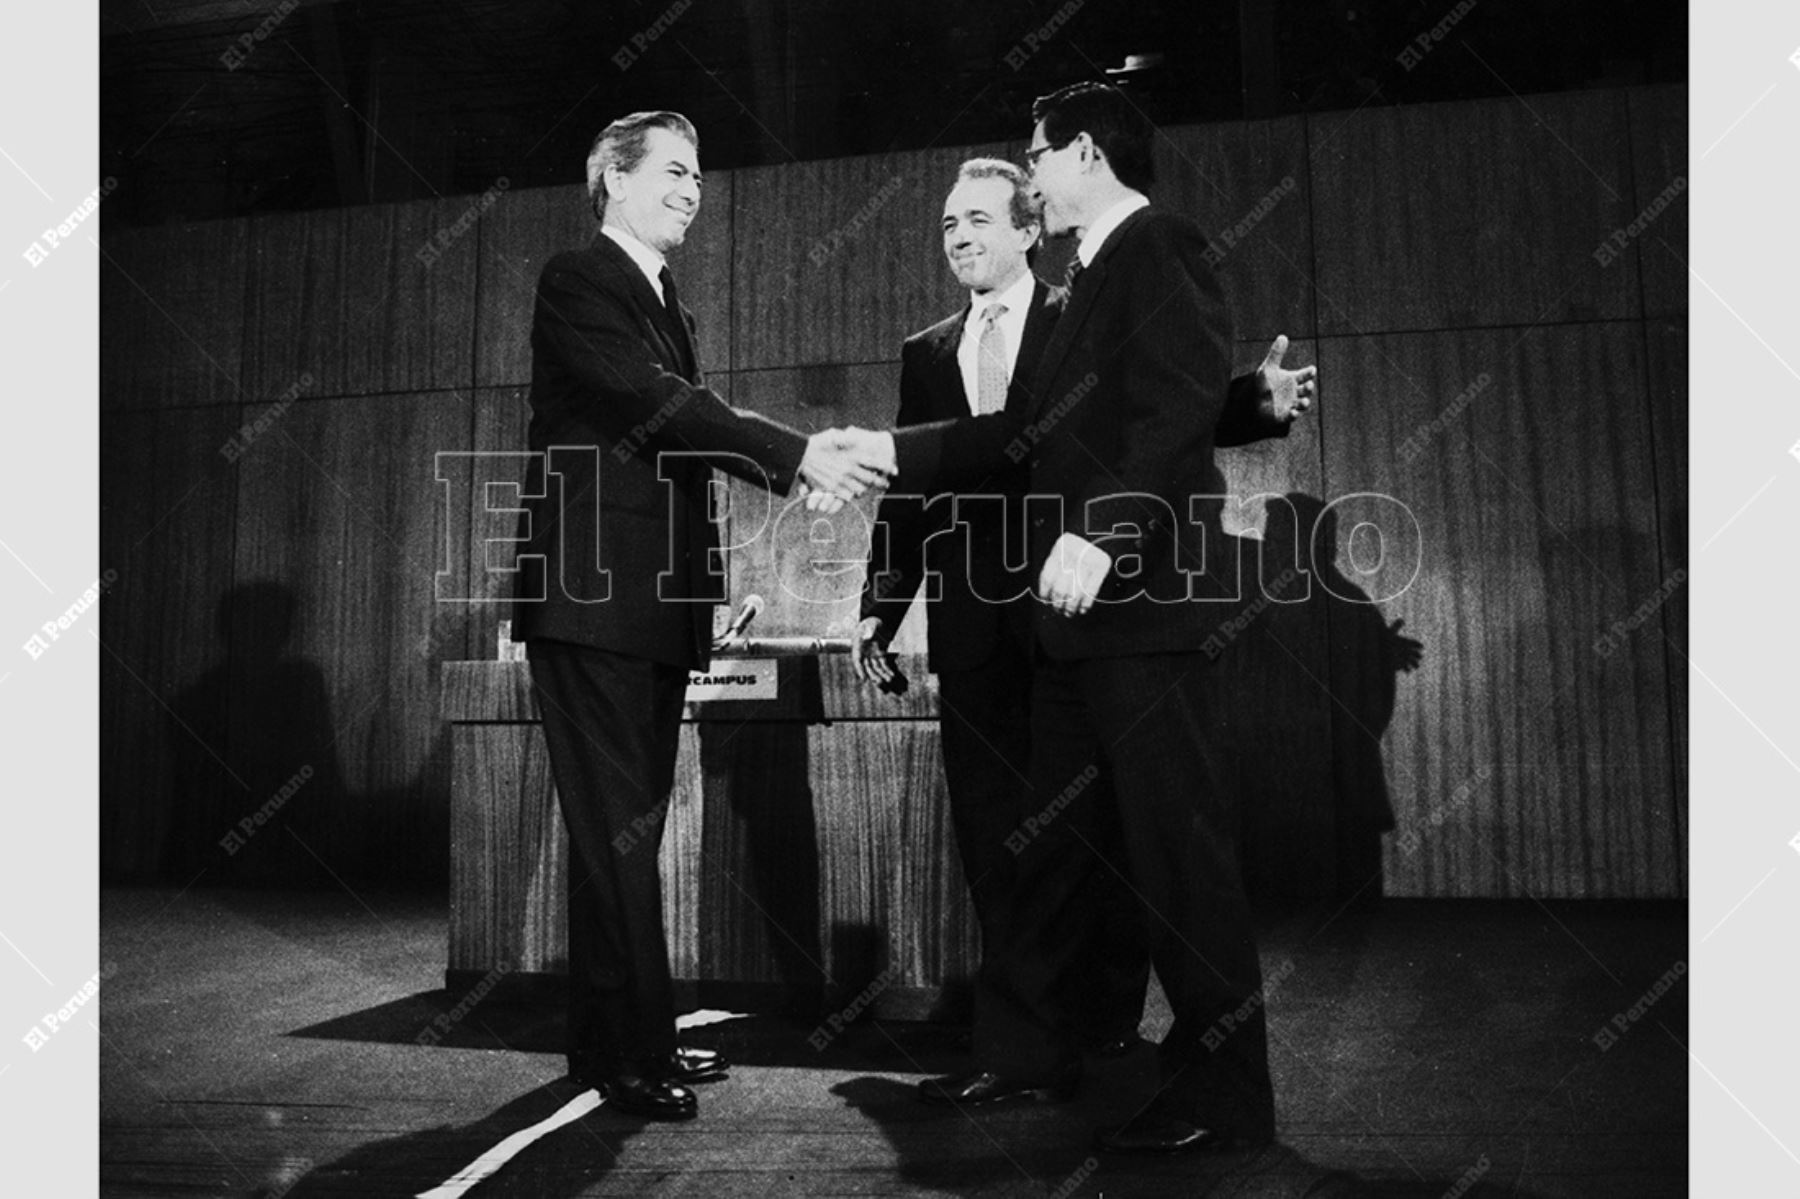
(751, 609)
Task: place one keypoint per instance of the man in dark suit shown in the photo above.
(979, 634)
(617, 582)
(1125, 406)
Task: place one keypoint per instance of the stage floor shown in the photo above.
(301, 1044)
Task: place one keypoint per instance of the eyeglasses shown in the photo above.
(1036, 152)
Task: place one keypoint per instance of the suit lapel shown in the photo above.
(948, 371)
(651, 313)
(1040, 321)
(1076, 312)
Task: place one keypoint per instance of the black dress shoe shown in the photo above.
(651, 1098)
(1155, 1132)
(981, 1086)
(689, 1066)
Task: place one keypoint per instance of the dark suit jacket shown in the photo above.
(962, 628)
(1127, 405)
(622, 545)
(972, 561)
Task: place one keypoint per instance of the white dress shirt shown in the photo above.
(1105, 223)
(648, 260)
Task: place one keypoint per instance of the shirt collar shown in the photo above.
(648, 260)
(1105, 223)
(1017, 298)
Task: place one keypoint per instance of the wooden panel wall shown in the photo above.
(819, 858)
(1667, 367)
(1659, 159)
(1477, 214)
(1248, 186)
(166, 527)
(1525, 758)
(1416, 249)
(344, 297)
(172, 315)
(339, 509)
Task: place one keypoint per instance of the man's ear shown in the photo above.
(1086, 148)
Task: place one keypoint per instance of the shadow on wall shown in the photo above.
(258, 795)
(1313, 683)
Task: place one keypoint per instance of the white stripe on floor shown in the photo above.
(489, 1162)
(485, 1166)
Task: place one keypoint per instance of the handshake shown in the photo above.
(841, 464)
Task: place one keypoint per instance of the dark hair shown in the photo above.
(1119, 128)
(1026, 208)
(621, 144)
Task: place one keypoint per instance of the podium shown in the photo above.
(808, 858)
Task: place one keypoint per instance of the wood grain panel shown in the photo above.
(937, 940)
(759, 891)
(336, 650)
(508, 878)
(356, 299)
(895, 909)
(481, 496)
(167, 510)
(525, 228)
(684, 862)
(518, 235)
(1247, 184)
(820, 858)
(837, 261)
(486, 692)
(172, 315)
(1668, 400)
(1524, 756)
(1456, 215)
(509, 873)
(846, 697)
(1659, 159)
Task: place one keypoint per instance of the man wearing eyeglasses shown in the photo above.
(978, 360)
(1126, 403)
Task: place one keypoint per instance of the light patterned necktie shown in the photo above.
(990, 364)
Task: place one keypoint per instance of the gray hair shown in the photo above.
(1026, 208)
(621, 144)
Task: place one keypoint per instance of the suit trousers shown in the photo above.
(1167, 829)
(612, 723)
(985, 726)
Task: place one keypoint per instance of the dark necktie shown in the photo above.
(1073, 273)
(672, 303)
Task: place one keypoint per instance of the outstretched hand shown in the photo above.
(1284, 395)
